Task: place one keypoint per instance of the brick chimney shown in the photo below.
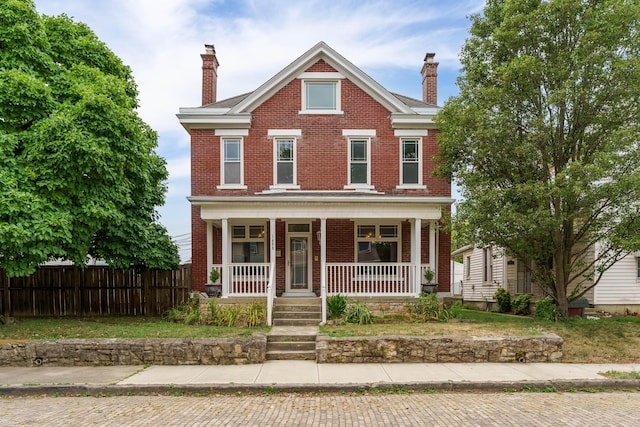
(430, 80)
(209, 74)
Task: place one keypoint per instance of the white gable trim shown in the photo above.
(320, 76)
(334, 59)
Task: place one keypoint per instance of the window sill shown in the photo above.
(336, 112)
(360, 187)
(278, 188)
(231, 187)
(411, 187)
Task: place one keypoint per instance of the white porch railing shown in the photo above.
(372, 279)
(248, 279)
(271, 293)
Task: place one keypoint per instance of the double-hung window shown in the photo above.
(359, 161)
(285, 175)
(411, 161)
(231, 160)
(285, 162)
(638, 265)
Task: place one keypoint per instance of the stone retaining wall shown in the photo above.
(405, 349)
(152, 351)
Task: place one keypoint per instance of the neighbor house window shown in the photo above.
(411, 166)
(232, 170)
(468, 267)
(638, 264)
(285, 161)
(359, 170)
(487, 263)
(248, 243)
(377, 242)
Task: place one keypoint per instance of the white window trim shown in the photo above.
(294, 185)
(232, 186)
(359, 186)
(337, 81)
(377, 224)
(419, 185)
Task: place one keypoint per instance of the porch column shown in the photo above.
(209, 248)
(272, 245)
(432, 248)
(323, 267)
(225, 258)
(416, 253)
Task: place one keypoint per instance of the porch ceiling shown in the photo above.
(360, 206)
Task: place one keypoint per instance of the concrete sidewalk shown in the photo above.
(310, 376)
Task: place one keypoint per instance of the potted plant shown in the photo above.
(214, 288)
(428, 287)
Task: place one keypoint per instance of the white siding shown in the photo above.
(474, 288)
(619, 284)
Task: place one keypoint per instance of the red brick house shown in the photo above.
(318, 182)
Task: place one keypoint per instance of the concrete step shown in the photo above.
(296, 322)
(297, 308)
(290, 338)
(297, 315)
(291, 355)
(298, 301)
(292, 346)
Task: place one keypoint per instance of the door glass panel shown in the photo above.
(298, 257)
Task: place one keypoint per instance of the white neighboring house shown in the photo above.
(487, 269)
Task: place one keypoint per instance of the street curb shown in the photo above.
(588, 385)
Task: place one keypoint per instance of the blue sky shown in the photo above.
(161, 40)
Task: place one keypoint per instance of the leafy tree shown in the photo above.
(543, 138)
(78, 171)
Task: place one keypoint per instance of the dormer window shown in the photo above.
(321, 93)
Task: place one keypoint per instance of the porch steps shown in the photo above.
(297, 311)
(292, 343)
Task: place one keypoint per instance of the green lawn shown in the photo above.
(613, 340)
(113, 327)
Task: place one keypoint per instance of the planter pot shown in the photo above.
(213, 289)
(429, 288)
(575, 312)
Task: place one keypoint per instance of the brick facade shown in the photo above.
(322, 165)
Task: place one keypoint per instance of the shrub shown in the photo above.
(336, 305)
(546, 309)
(503, 299)
(358, 313)
(255, 314)
(520, 304)
(428, 308)
(187, 312)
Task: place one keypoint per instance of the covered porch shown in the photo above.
(358, 245)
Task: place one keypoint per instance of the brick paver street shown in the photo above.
(415, 409)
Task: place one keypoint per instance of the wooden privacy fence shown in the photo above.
(76, 291)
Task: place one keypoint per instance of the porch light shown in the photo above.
(319, 236)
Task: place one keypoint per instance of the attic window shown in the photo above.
(320, 97)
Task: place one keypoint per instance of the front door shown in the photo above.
(299, 263)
